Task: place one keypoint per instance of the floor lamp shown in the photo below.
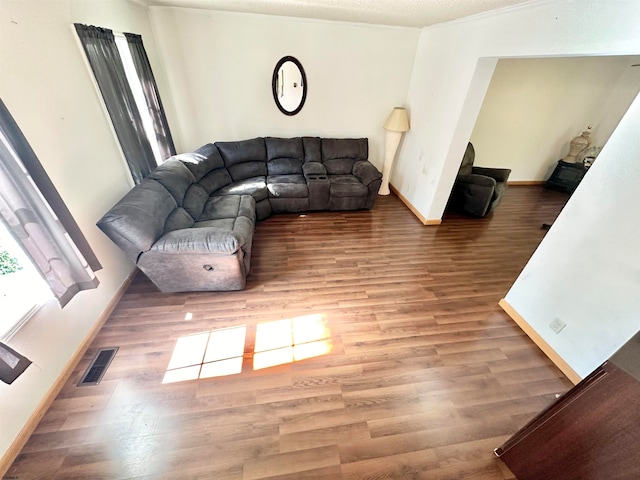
(396, 125)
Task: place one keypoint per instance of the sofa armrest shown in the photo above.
(479, 180)
(366, 172)
(313, 168)
(498, 174)
(199, 240)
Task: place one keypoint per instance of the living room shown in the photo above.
(213, 70)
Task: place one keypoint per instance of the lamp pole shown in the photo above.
(397, 123)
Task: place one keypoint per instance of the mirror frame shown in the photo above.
(274, 84)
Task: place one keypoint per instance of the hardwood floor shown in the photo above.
(425, 377)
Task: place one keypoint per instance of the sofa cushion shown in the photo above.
(291, 186)
(284, 148)
(215, 180)
(242, 151)
(243, 171)
(312, 149)
(178, 219)
(285, 156)
(355, 148)
(347, 186)
(139, 218)
(229, 206)
(198, 193)
(175, 177)
(339, 166)
(256, 187)
(284, 166)
(194, 200)
(340, 154)
(244, 159)
(201, 161)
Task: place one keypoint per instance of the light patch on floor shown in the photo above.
(221, 352)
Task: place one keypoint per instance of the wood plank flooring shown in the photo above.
(425, 377)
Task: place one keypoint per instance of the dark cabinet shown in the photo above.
(566, 176)
(590, 433)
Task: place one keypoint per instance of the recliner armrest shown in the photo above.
(366, 172)
(498, 174)
(199, 240)
(475, 179)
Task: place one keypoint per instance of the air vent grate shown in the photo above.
(98, 367)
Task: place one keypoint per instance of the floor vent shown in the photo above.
(98, 367)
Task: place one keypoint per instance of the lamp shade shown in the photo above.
(397, 121)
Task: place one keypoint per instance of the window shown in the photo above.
(138, 95)
(22, 289)
(35, 225)
(123, 75)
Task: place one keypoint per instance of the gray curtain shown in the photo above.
(101, 50)
(150, 89)
(36, 221)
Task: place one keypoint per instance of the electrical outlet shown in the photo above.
(409, 188)
(557, 325)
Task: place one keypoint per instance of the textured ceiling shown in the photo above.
(408, 13)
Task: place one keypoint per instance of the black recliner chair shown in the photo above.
(477, 191)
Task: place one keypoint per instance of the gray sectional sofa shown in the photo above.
(189, 225)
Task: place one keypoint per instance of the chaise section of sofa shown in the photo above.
(154, 225)
(189, 225)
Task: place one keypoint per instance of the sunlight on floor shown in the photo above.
(220, 352)
(189, 351)
(207, 354)
(286, 341)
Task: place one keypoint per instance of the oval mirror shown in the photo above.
(289, 85)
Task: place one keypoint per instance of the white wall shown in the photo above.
(598, 230)
(587, 269)
(45, 84)
(220, 67)
(445, 104)
(535, 106)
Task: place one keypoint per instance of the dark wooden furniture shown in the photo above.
(566, 176)
(590, 433)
